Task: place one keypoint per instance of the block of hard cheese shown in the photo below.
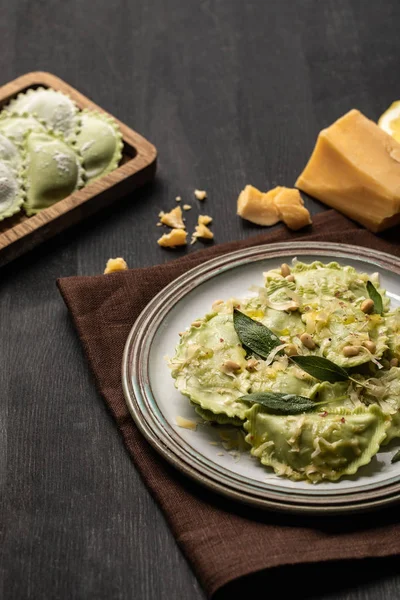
(355, 168)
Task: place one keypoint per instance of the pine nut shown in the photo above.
(367, 305)
(289, 277)
(293, 308)
(369, 345)
(252, 364)
(196, 324)
(285, 270)
(229, 366)
(351, 351)
(394, 362)
(307, 341)
(290, 350)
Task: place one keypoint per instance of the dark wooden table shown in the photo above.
(231, 92)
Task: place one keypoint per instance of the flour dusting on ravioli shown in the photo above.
(100, 143)
(53, 171)
(11, 191)
(10, 152)
(56, 109)
(15, 127)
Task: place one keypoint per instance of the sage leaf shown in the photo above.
(321, 368)
(396, 457)
(375, 297)
(281, 404)
(254, 335)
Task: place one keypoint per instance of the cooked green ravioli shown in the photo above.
(199, 366)
(316, 446)
(320, 311)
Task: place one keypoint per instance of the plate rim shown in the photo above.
(137, 390)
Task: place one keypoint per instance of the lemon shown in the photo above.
(390, 120)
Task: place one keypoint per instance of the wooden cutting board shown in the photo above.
(20, 233)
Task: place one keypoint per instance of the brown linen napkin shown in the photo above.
(222, 540)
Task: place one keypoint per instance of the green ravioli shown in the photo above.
(100, 143)
(352, 418)
(384, 390)
(15, 127)
(197, 366)
(331, 298)
(11, 191)
(53, 171)
(56, 109)
(393, 324)
(316, 446)
(10, 152)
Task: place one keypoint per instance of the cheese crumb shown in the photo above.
(177, 237)
(204, 220)
(178, 198)
(201, 231)
(173, 218)
(291, 209)
(186, 207)
(115, 264)
(256, 207)
(159, 224)
(186, 423)
(200, 194)
(279, 204)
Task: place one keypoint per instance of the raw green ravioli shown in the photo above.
(11, 191)
(54, 149)
(100, 143)
(53, 171)
(56, 110)
(15, 127)
(10, 152)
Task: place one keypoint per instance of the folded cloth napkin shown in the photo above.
(222, 540)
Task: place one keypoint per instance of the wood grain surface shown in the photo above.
(230, 92)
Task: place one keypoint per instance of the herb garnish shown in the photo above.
(375, 297)
(261, 340)
(321, 368)
(281, 404)
(254, 335)
(396, 457)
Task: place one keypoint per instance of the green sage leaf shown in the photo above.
(254, 335)
(375, 297)
(396, 457)
(281, 404)
(321, 368)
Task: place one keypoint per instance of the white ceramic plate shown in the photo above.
(155, 403)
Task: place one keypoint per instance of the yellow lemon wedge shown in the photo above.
(390, 120)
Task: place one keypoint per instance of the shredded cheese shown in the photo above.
(186, 423)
